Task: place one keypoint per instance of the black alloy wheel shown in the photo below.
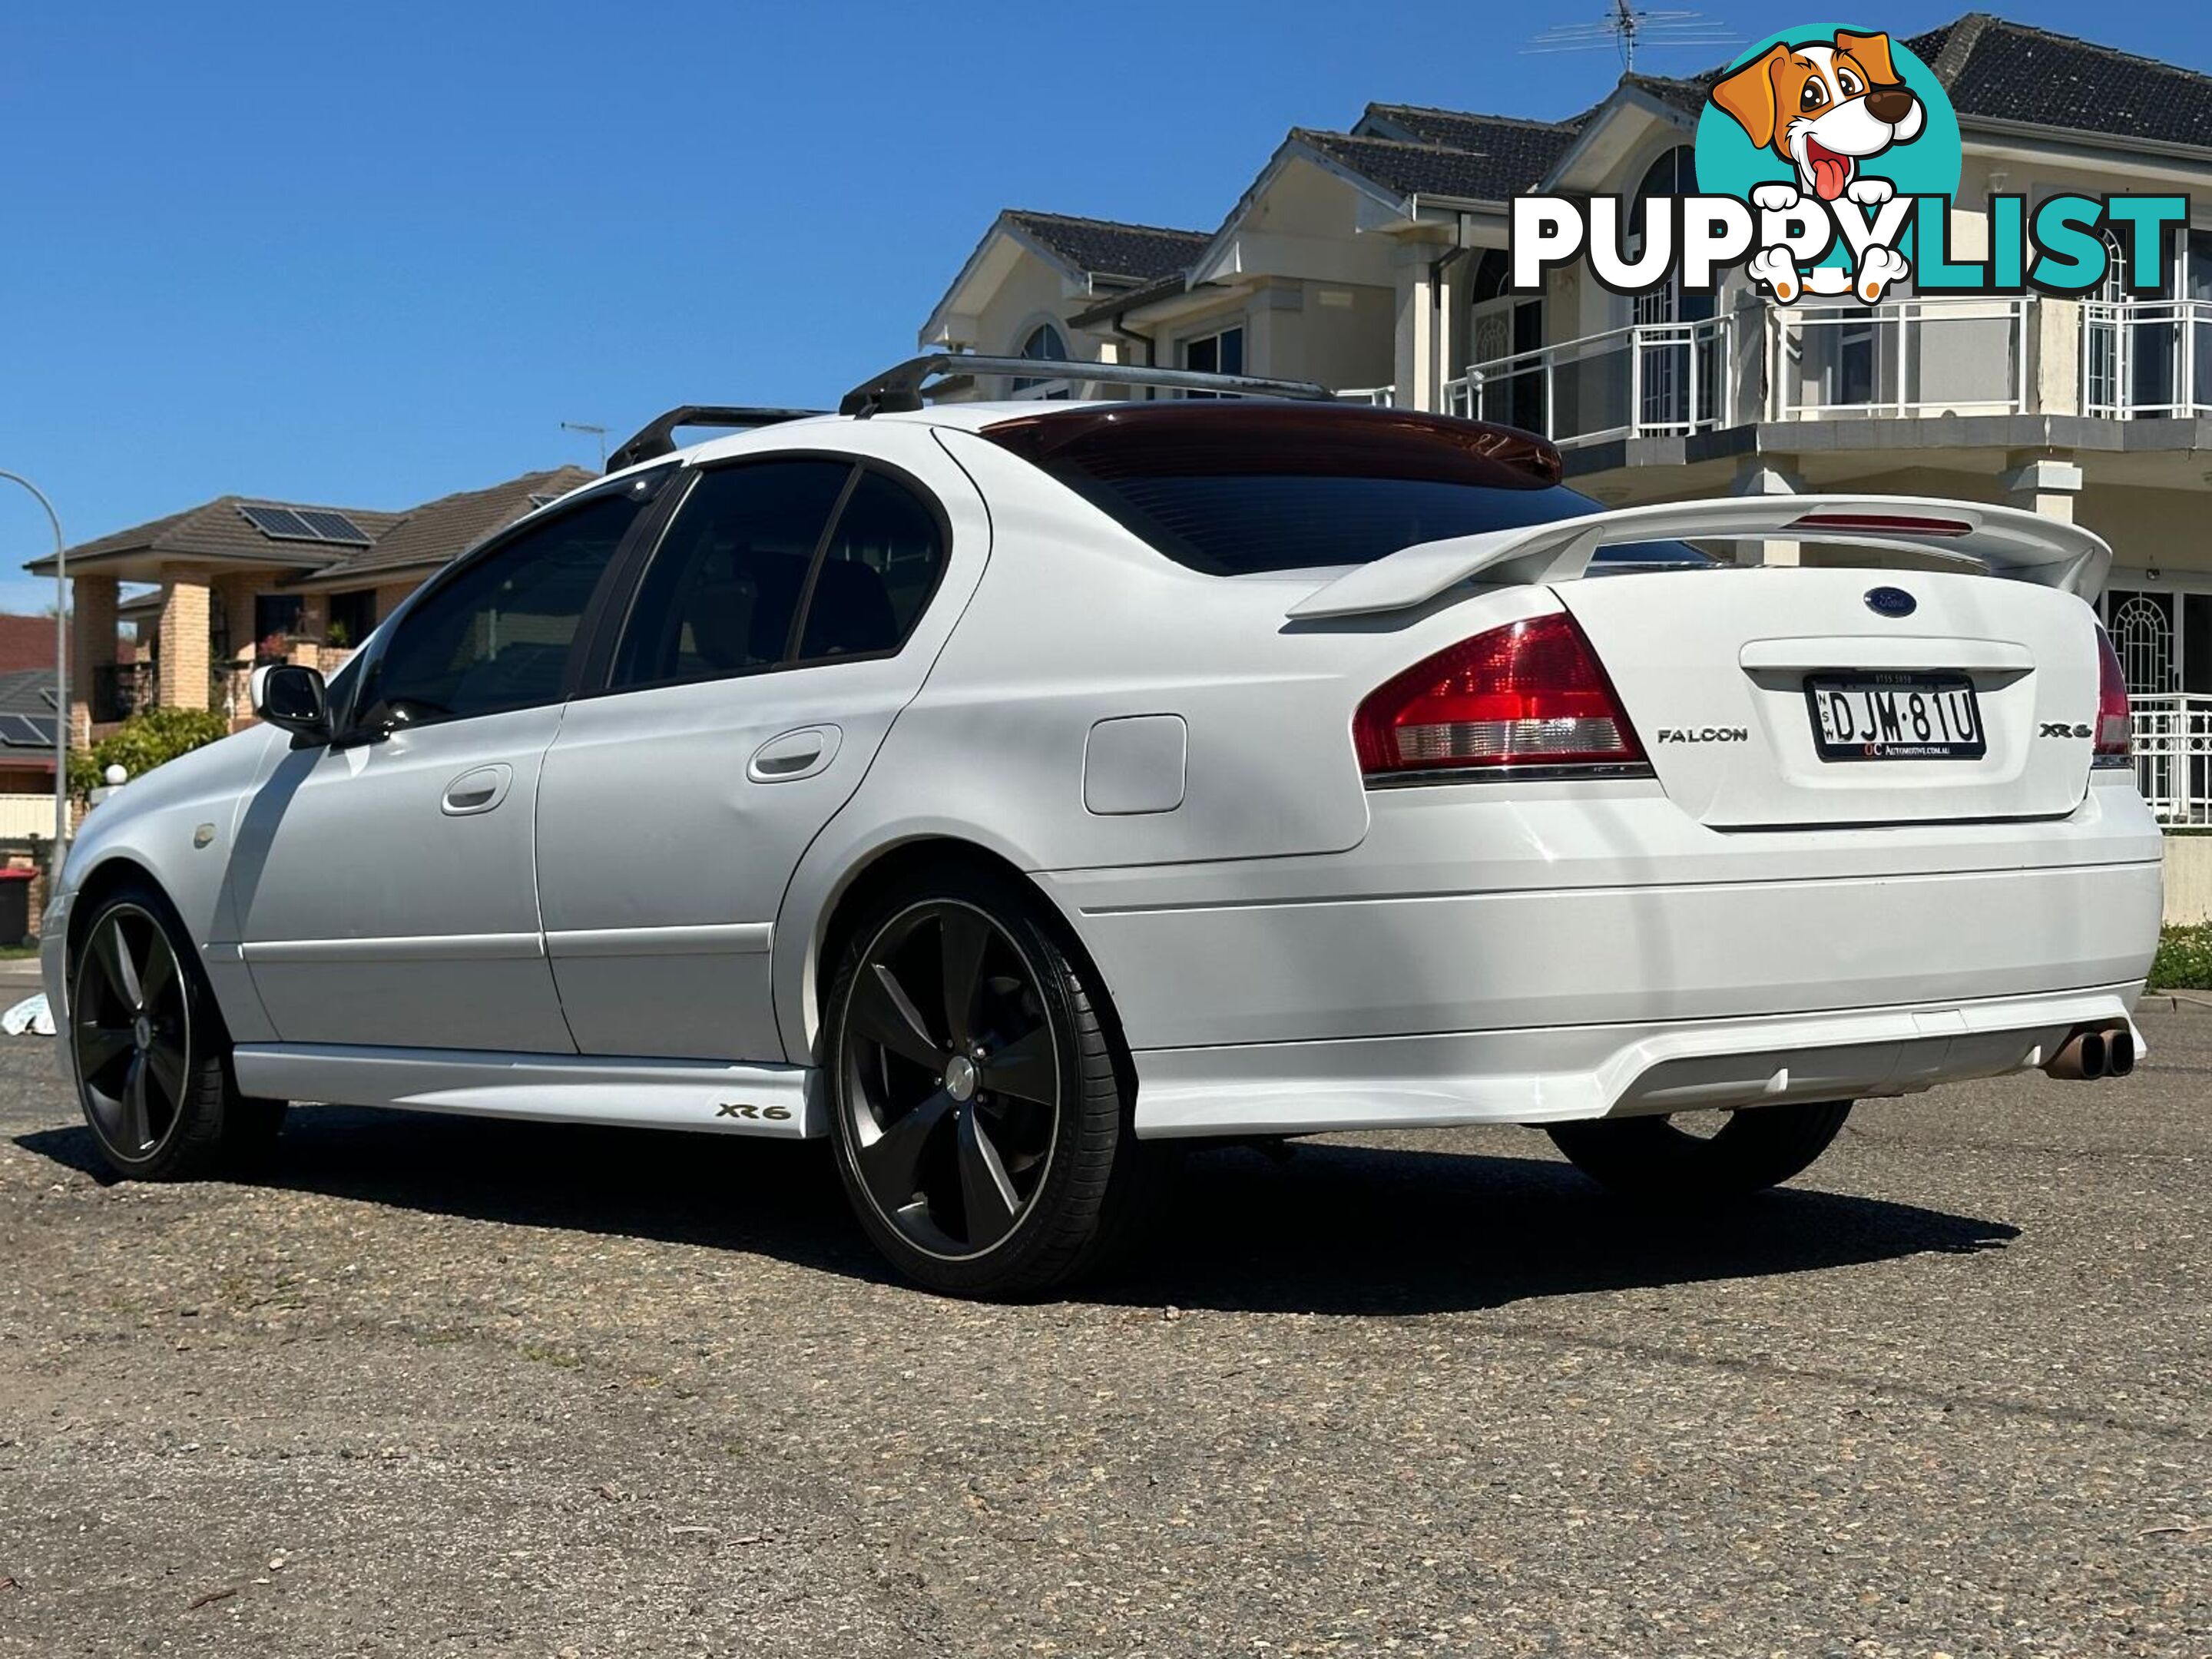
(980, 1103)
(130, 1023)
(1721, 1155)
(151, 1053)
(951, 1080)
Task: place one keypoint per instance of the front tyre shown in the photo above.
(981, 1122)
(1653, 1158)
(152, 1058)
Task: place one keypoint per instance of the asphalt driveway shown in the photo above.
(434, 1386)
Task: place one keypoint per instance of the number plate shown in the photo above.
(1895, 717)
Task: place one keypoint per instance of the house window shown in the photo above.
(1046, 344)
(276, 618)
(353, 618)
(1215, 354)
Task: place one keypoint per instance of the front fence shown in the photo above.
(2173, 755)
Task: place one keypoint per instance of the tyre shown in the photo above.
(152, 1058)
(1654, 1159)
(980, 1107)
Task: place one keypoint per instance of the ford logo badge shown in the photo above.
(1890, 602)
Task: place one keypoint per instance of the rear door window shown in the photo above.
(723, 591)
(779, 563)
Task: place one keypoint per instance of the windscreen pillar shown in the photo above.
(2042, 481)
(1766, 475)
(181, 671)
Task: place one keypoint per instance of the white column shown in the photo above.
(1414, 367)
(2043, 482)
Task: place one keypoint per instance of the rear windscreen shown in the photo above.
(1303, 487)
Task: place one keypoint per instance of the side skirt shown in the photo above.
(716, 1096)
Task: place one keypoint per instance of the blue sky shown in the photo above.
(371, 254)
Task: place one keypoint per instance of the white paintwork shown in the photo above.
(2005, 540)
(637, 1094)
(1166, 756)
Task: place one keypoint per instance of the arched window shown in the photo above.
(1046, 344)
(1674, 173)
(2142, 637)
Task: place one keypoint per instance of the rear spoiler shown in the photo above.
(2003, 541)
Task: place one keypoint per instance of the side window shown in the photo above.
(880, 570)
(723, 591)
(497, 634)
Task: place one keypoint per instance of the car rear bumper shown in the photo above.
(1477, 959)
(1605, 1071)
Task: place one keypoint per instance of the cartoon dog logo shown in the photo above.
(1824, 106)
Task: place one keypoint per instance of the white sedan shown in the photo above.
(1009, 793)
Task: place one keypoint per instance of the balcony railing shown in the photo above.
(1651, 379)
(2173, 755)
(1381, 396)
(2147, 358)
(1903, 357)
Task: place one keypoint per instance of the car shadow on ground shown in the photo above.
(1333, 1229)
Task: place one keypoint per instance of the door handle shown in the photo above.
(478, 790)
(800, 754)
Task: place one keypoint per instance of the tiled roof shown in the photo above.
(2005, 71)
(1520, 151)
(1419, 167)
(1685, 93)
(430, 534)
(26, 642)
(1107, 248)
(436, 532)
(218, 530)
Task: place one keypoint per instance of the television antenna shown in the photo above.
(1627, 28)
(590, 431)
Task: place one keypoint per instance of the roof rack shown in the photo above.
(898, 391)
(658, 436)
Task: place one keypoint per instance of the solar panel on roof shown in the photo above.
(332, 526)
(280, 522)
(22, 732)
(304, 524)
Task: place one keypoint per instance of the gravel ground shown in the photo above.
(435, 1386)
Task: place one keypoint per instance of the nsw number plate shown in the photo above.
(1895, 717)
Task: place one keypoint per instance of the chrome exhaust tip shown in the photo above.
(2083, 1057)
(2119, 1052)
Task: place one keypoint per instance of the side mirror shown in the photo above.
(292, 699)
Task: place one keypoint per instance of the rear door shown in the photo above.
(1780, 695)
(791, 609)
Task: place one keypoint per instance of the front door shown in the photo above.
(791, 611)
(386, 886)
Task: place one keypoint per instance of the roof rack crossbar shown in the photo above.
(898, 391)
(658, 436)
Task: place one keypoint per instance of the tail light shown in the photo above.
(1528, 694)
(2115, 725)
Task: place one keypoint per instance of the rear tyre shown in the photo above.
(979, 1109)
(152, 1058)
(1652, 1158)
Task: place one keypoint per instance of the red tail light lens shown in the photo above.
(2115, 725)
(1528, 694)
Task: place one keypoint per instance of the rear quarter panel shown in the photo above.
(1076, 622)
